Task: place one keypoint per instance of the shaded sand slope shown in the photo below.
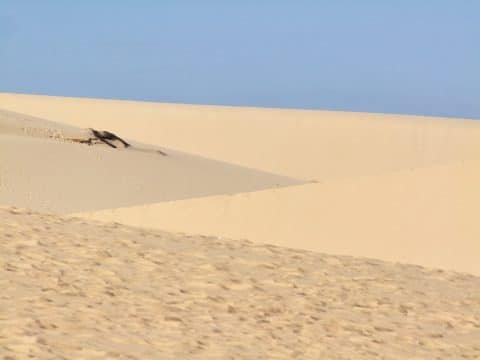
(318, 145)
(41, 169)
(74, 289)
(425, 216)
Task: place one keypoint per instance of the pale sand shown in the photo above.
(311, 145)
(427, 216)
(44, 170)
(391, 187)
(398, 188)
(77, 290)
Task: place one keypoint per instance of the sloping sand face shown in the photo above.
(310, 145)
(12, 123)
(399, 188)
(76, 289)
(427, 216)
(44, 167)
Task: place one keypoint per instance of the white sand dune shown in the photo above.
(76, 289)
(426, 216)
(311, 145)
(44, 170)
(398, 188)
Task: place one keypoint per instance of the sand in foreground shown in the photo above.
(76, 289)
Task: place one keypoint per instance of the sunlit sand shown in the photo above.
(138, 229)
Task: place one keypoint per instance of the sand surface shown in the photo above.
(44, 169)
(286, 185)
(311, 145)
(76, 289)
(427, 216)
(398, 188)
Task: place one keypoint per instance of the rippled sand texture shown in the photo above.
(76, 289)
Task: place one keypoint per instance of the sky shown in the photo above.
(404, 56)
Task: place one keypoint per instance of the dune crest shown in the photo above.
(12, 123)
(309, 145)
(52, 167)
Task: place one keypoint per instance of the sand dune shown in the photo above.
(426, 216)
(311, 145)
(74, 289)
(45, 170)
(12, 123)
(397, 188)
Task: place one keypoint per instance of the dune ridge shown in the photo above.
(305, 144)
(398, 188)
(51, 167)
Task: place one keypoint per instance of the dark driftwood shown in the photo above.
(106, 137)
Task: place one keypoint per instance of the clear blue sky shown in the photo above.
(399, 56)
